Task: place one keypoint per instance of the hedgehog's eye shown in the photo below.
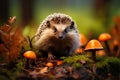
(72, 25)
(55, 30)
(65, 30)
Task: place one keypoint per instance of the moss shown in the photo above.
(76, 60)
(109, 65)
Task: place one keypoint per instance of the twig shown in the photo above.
(12, 20)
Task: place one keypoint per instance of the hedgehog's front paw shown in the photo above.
(51, 56)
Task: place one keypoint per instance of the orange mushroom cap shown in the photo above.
(49, 64)
(79, 50)
(30, 55)
(104, 37)
(59, 62)
(93, 45)
(83, 39)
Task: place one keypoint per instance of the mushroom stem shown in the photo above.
(94, 55)
(108, 49)
(33, 62)
(27, 64)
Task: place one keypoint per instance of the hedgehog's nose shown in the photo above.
(60, 37)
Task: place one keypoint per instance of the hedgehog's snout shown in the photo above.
(60, 36)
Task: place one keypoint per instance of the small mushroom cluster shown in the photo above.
(31, 55)
(94, 44)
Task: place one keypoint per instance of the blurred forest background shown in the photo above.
(94, 16)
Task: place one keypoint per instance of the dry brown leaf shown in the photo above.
(11, 40)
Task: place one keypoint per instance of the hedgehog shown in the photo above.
(57, 36)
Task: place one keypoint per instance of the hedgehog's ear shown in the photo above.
(72, 25)
(48, 23)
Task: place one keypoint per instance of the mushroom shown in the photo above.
(104, 37)
(93, 45)
(29, 55)
(83, 40)
(59, 62)
(49, 64)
